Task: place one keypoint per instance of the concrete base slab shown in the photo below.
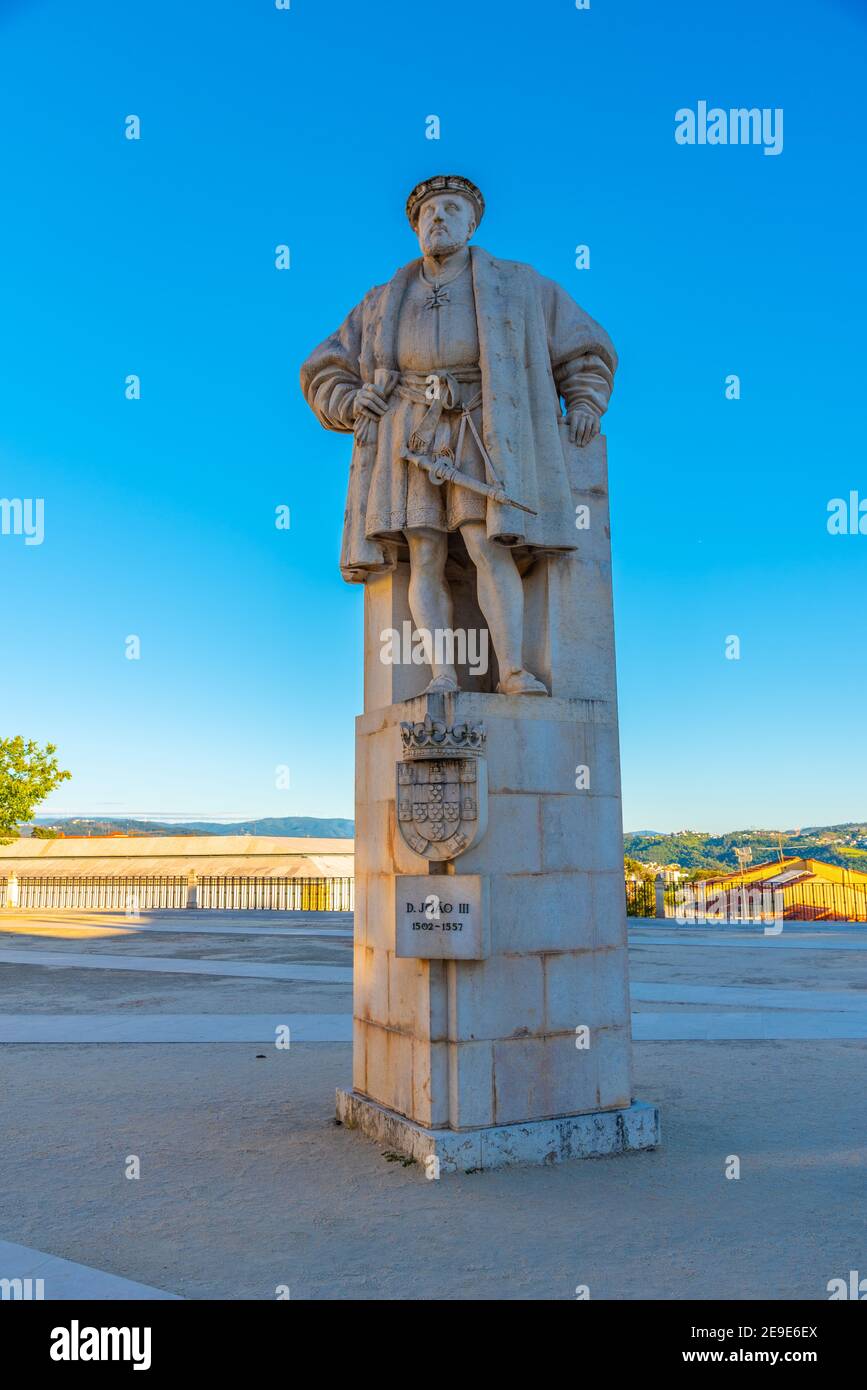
(597, 1135)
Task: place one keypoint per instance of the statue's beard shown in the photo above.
(441, 247)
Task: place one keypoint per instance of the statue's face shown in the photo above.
(446, 221)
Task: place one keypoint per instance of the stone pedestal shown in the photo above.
(596, 1135)
(510, 1041)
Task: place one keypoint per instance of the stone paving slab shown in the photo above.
(756, 996)
(707, 1026)
(51, 1278)
(176, 965)
(786, 941)
(80, 930)
(173, 1028)
(247, 1183)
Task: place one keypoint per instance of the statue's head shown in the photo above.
(444, 212)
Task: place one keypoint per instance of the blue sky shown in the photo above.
(307, 127)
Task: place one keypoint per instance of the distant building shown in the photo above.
(805, 888)
(171, 871)
(270, 856)
(672, 873)
(789, 870)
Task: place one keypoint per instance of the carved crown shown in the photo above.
(435, 739)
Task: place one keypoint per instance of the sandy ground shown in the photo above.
(247, 1183)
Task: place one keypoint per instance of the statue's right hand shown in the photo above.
(369, 401)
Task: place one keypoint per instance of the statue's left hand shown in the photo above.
(583, 426)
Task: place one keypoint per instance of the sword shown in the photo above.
(449, 474)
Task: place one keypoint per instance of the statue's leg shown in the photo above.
(501, 599)
(430, 598)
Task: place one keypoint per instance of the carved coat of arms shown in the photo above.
(442, 787)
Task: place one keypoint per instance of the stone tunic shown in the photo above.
(430, 341)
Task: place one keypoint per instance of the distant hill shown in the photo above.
(299, 827)
(845, 845)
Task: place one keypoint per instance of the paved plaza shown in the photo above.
(156, 1039)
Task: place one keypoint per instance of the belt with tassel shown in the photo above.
(445, 393)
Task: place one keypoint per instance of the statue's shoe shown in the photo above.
(442, 685)
(521, 682)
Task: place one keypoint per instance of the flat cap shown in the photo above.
(442, 183)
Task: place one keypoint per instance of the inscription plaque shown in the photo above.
(442, 917)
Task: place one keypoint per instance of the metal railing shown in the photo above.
(151, 892)
(826, 902)
(704, 899)
(261, 894)
(141, 893)
(743, 900)
(640, 897)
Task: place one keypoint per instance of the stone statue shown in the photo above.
(490, 925)
(450, 377)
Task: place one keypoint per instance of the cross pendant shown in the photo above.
(439, 297)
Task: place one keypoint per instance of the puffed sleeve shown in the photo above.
(331, 376)
(583, 358)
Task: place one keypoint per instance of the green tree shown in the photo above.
(635, 866)
(27, 774)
